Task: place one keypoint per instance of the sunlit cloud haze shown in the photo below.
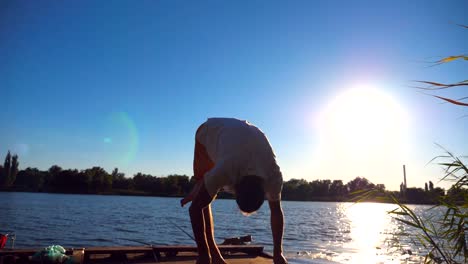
(126, 84)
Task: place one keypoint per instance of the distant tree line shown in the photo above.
(325, 190)
(9, 170)
(429, 194)
(96, 180)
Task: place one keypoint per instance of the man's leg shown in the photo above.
(216, 256)
(201, 200)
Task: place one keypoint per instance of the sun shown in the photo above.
(363, 120)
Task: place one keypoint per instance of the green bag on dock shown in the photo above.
(50, 254)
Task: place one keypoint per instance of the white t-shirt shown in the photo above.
(238, 149)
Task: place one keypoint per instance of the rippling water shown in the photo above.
(315, 232)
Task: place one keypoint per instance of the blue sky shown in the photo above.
(89, 83)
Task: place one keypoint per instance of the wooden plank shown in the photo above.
(184, 258)
(29, 251)
(248, 249)
(254, 249)
(183, 254)
(236, 258)
(103, 250)
(181, 248)
(173, 254)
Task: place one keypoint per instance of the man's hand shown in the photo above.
(194, 192)
(279, 259)
(184, 201)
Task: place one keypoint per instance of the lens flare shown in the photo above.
(122, 138)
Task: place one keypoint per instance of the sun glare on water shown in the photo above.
(369, 226)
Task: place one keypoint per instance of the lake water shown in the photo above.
(315, 232)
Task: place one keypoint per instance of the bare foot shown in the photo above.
(203, 260)
(218, 259)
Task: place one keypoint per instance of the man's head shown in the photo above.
(250, 193)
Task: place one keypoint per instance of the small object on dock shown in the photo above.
(243, 240)
(407, 251)
(52, 254)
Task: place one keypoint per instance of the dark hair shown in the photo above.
(250, 193)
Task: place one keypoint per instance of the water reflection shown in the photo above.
(368, 222)
(353, 233)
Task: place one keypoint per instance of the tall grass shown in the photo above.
(432, 87)
(444, 235)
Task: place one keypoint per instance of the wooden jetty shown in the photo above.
(234, 254)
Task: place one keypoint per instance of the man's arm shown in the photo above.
(201, 200)
(277, 225)
(193, 192)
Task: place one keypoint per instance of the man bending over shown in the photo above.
(236, 155)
